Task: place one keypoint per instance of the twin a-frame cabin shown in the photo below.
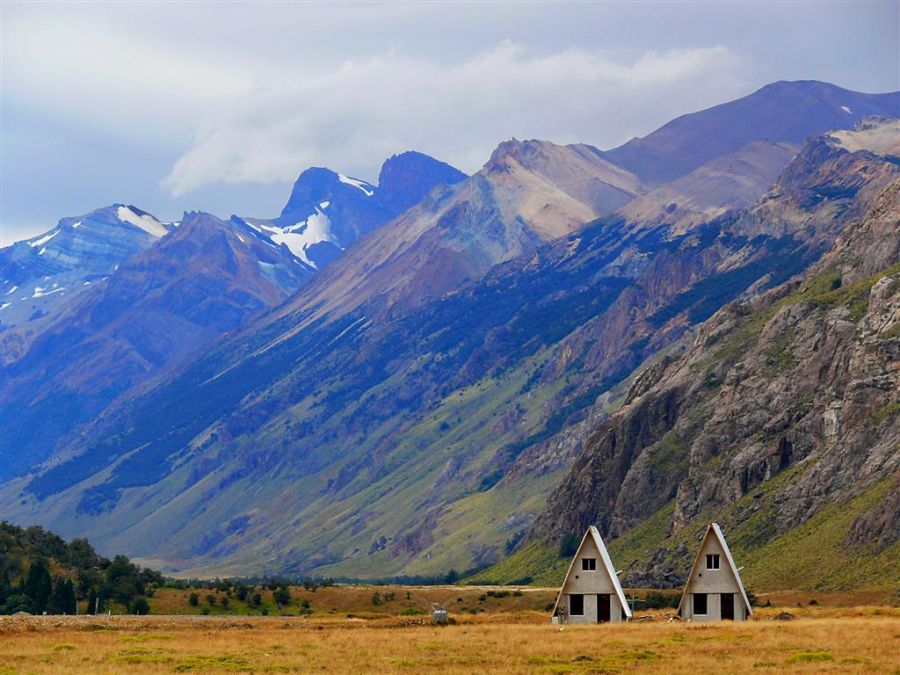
(714, 591)
(591, 592)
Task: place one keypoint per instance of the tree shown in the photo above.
(241, 591)
(95, 602)
(18, 602)
(194, 599)
(122, 580)
(282, 596)
(452, 577)
(256, 600)
(38, 586)
(5, 586)
(140, 606)
(224, 602)
(62, 601)
(88, 580)
(211, 600)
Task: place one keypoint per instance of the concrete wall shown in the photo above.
(590, 610)
(713, 583)
(590, 583)
(713, 608)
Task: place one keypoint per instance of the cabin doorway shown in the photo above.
(603, 609)
(728, 606)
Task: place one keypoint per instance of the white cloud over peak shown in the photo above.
(354, 114)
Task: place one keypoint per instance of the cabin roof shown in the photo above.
(607, 564)
(717, 532)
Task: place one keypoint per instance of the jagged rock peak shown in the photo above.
(520, 151)
(406, 178)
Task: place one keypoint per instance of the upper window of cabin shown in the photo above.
(588, 564)
(712, 561)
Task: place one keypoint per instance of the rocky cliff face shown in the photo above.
(780, 406)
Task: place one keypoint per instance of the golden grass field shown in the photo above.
(826, 637)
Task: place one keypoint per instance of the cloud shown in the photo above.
(354, 114)
(105, 76)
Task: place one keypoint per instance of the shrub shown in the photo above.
(194, 599)
(140, 606)
(282, 597)
(656, 600)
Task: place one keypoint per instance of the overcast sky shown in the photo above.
(219, 106)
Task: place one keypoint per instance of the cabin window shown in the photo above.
(588, 564)
(576, 604)
(712, 561)
(700, 603)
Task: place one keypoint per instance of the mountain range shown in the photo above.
(442, 370)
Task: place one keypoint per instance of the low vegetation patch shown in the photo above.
(805, 657)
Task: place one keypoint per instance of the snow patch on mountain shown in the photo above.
(304, 234)
(146, 222)
(359, 184)
(40, 292)
(299, 237)
(846, 110)
(43, 240)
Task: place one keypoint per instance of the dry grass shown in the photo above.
(358, 600)
(821, 639)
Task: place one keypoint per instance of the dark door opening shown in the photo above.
(603, 608)
(728, 606)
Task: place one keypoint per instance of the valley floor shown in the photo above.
(819, 639)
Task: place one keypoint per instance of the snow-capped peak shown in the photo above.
(146, 222)
(359, 184)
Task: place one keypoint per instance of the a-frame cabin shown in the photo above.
(714, 591)
(591, 592)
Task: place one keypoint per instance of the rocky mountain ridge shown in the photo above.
(327, 211)
(36, 274)
(206, 279)
(780, 408)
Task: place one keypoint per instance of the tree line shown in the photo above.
(41, 573)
